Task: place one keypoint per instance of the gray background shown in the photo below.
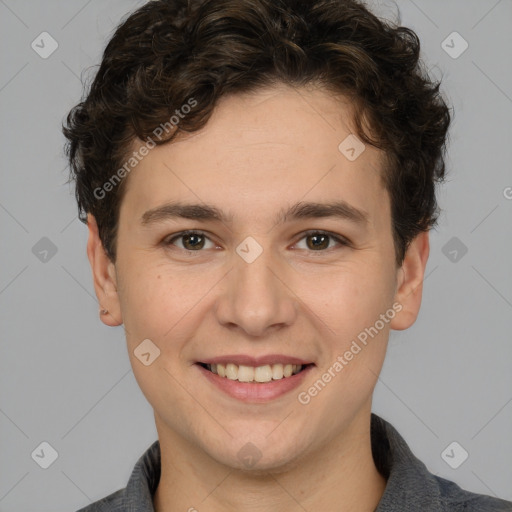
(66, 378)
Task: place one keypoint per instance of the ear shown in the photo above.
(104, 275)
(410, 282)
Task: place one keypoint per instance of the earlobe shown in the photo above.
(410, 282)
(104, 276)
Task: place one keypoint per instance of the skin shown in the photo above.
(260, 153)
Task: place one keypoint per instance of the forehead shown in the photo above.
(261, 150)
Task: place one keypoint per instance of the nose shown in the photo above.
(257, 296)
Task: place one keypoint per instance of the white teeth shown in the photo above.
(264, 373)
(245, 373)
(277, 371)
(232, 371)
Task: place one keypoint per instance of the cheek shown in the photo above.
(146, 299)
(151, 306)
(351, 297)
(157, 300)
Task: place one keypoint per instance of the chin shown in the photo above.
(274, 458)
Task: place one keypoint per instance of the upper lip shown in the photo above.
(246, 360)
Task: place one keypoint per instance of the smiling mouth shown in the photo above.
(259, 374)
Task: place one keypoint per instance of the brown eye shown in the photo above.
(193, 241)
(320, 241)
(190, 241)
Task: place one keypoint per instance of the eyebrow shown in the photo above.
(302, 210)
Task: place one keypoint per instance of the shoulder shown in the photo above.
(112, 503)
(138, 493)
(455, 498)
(411, 486)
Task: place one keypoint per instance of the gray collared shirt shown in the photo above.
(410, 486)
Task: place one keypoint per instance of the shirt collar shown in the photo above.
(409, 482)
(143, 481)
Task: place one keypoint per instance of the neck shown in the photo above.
(341, 476)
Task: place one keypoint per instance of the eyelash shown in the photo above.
(342, 241)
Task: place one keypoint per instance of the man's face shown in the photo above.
(257, 288)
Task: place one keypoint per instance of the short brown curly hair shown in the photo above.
(169, 51)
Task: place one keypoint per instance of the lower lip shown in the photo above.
(256, 392)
